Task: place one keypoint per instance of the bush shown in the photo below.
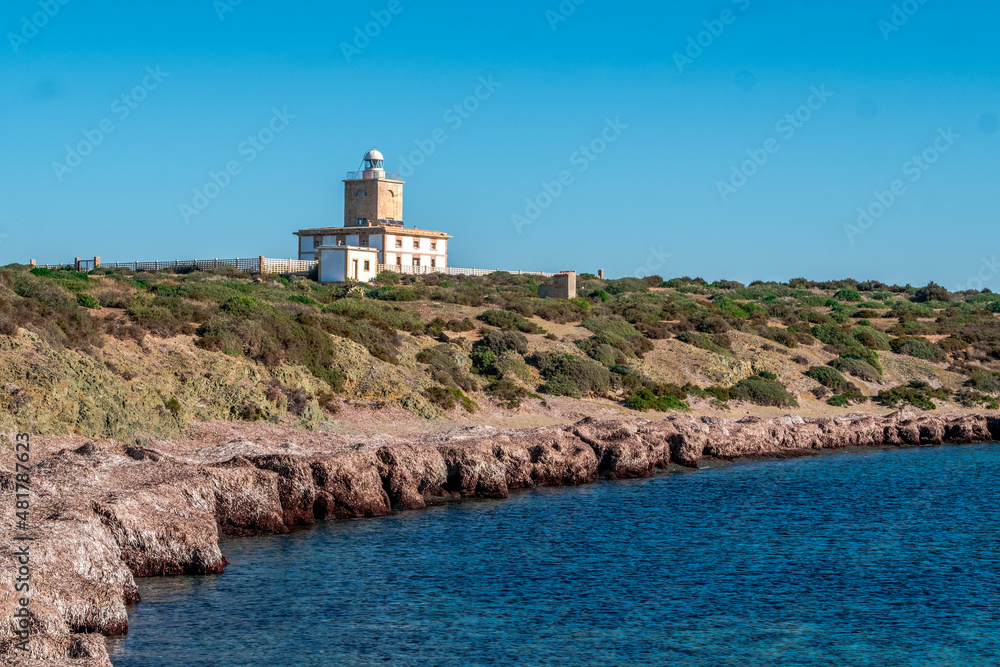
(872, 338)
(644, 398)
(858, 368)
(919, 348)
(985, 382)
(827, 376)
(272, 338)
(848, 294)
(444, 368)
(973, 399)
(500, 341)
(509, 393)
(88, 301)
(571, 376)
(932, 292)
(918, 394)
(762, 391)
(447, 398)
(505, 319)
(704, 342)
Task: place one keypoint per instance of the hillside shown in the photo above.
(124, 355)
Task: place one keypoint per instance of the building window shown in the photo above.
(416, 262)
(434, 245)
(368, 265)
(317, 241)
(416, 243)
(362, 193)
(399, 243)
(399, 260)
(364, 240)
(434, 263)
(340, 240)
(362, 222)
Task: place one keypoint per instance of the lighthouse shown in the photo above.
(373, 219)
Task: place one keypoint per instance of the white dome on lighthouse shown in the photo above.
(374, 156)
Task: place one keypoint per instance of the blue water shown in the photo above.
(862, 558)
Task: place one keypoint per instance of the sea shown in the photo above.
(869, 557)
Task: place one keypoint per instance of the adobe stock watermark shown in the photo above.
(562, 13)
(363, 35)
(900, 16)
(914, 169)
(655, 260)
(714, 29)
(454, 117)
(223, 7)
(988, 270)
(582, 159)
(249, 149)
(32, 24)
(121, 108)
(786, 127)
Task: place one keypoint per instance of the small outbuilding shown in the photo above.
(340, 263)
(563, 286)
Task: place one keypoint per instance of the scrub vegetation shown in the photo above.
(495, 340)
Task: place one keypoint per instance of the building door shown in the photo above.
(354, 269)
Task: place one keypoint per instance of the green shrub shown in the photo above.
(88, 301)
(384, 314)
(827, 376)
(932, 292)
(848, 294)
(917, 394)
(445, 369)
(858, 368)
(839, 401)
(571, 376)
(272, 338)
(704, 342)
(505, 319)
(973, 399)
(872, 338)
(499, 341)
(644, 398)
(763, 392)
(509, 393)
(919, 348)
(599, 294)
(985, 382)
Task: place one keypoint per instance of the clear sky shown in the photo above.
(665, 98)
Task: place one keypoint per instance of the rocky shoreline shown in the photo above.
(106, 512)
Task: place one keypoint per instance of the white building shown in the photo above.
(373, 219)
(338, 264)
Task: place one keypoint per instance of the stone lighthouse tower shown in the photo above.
(371, 196)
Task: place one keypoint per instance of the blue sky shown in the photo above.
(643, 125)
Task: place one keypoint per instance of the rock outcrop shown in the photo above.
(105, 513)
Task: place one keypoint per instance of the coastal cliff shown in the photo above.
(106, 512)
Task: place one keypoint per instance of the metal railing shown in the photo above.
(255, 265)
(453, 271)
(387, 176)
